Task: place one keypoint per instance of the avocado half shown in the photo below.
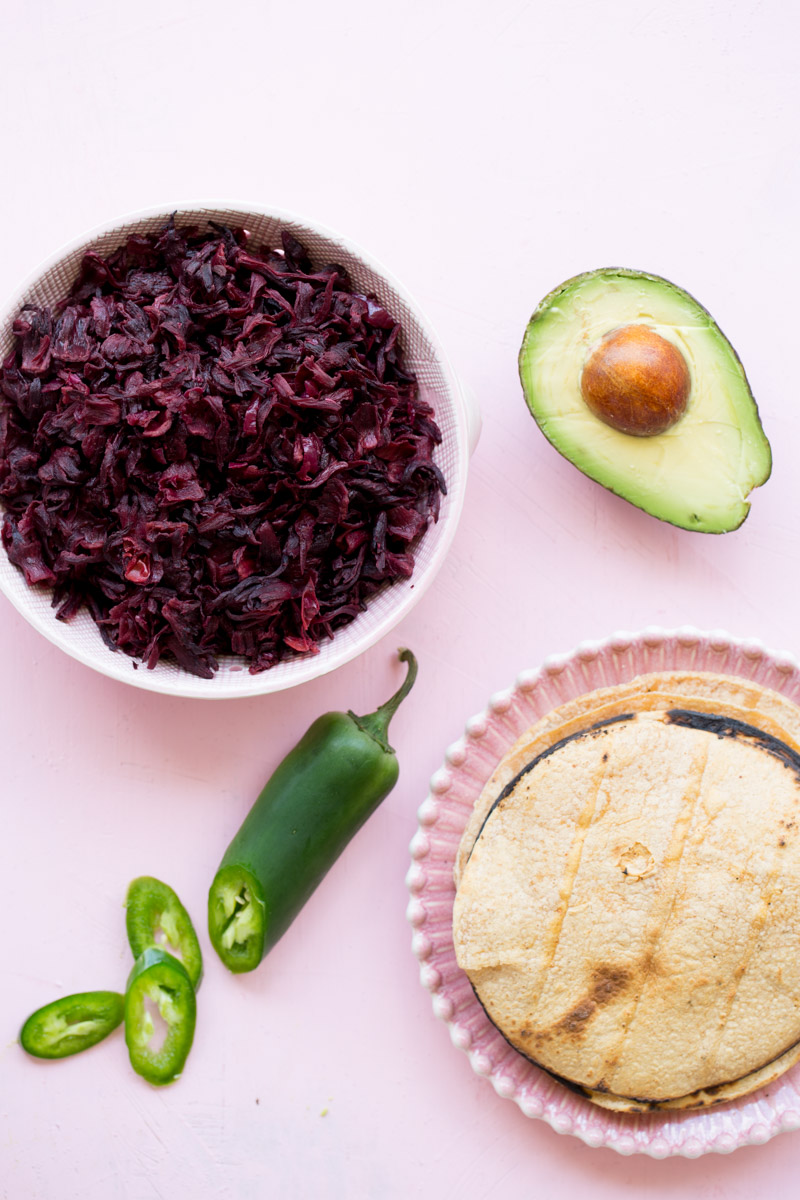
(698, 473)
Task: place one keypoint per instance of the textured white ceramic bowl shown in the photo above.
(458, 421)
(442, 817)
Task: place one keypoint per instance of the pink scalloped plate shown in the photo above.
(442, 817)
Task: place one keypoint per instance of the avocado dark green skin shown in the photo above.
(551, 301)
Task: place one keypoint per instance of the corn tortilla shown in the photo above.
(628, 891)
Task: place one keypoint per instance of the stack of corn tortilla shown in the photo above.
(628, 892)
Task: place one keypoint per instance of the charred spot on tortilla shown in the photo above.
(608, 982)
(650, 819)
(575, 1020)
(730, 727)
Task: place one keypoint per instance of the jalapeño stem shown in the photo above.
(376, 724)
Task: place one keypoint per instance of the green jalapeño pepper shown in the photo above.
(160, 1014)
(71, 1024)
(156, 917)
(317, 799)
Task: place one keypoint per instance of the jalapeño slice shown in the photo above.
(71, 1024)
(160, 1014)
(155, 917)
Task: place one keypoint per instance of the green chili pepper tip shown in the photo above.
(376, 724)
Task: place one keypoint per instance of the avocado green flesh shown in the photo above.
(698, 473)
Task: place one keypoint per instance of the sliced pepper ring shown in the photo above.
(71, 1024)
(153, 908)
(159, 984)
(237, 918)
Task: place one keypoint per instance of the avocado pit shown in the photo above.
(636, 381)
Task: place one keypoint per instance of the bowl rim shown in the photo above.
(309, 667)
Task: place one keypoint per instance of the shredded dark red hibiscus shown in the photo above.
(214, 449)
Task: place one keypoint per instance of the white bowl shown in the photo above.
(458, 421)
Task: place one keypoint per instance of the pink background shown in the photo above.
(484, 153)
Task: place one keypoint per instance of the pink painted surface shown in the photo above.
(484, 153)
